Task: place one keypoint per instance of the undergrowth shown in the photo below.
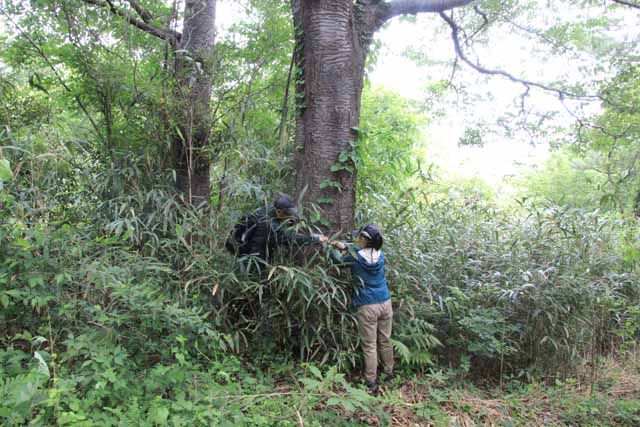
(130, 312)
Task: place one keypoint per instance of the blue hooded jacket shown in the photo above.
(370, 285)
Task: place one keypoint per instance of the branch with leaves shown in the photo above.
(627, 3)
(379, 12)
(144, 23)
(57, 75)
(455, 35)
(144, 14)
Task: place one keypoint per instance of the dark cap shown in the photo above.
(285, 204)
(369, 231)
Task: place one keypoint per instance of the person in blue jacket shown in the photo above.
(371, 298)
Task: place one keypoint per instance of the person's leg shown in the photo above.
(367, 327)
(384, 337)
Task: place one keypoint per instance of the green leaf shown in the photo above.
(334, 401)
(160, 415)
(36, 280)
(25, 392)
(402, 350)
(42, 365)
(311, 384)
(5, 170)
(337, 167)
(327, 183)
(316, 372)
(325, 200)
(348, 405)
(23, 243)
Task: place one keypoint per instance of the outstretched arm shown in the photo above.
(290, 236)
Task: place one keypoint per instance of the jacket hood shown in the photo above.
(371, 260)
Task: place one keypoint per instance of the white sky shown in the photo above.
(491, 162)
(500, 156)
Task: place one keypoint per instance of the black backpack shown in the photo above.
(240, 237)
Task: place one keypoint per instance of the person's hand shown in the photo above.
(338, 245)
(320, 237)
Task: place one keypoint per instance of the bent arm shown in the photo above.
(342, 258)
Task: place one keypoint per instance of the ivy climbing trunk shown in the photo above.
(194, 76)
(332, 40)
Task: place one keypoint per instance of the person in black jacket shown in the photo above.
(267, 230)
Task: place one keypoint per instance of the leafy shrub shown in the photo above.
(538, 290)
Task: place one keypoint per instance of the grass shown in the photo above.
(420, 402)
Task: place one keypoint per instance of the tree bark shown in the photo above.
(194, 76)
(332, 40)
(332, 59)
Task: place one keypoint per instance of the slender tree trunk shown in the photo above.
(194, 72)
(190, 110)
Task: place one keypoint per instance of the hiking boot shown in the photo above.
(372, 387)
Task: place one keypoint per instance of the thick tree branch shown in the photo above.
(144, 14)
(455, 29)
(627, 3)
(485, 21)
(413, 7)
(168, 35)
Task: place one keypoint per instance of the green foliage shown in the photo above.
(566, 181)
(506, 292)
(388, 136)
(21, 389)
(611, 148)
(5, 170)
(333, 387)
(348, 161)
(120, 305)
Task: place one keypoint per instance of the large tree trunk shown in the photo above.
(194, 72)
(332, 58)
(332, 39)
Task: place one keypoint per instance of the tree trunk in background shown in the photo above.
(332, 40)
(190, 118)
(194, 77)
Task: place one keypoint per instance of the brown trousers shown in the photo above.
(374, 326)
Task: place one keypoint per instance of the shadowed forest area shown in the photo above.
(135, 134)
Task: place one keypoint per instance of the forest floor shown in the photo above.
(611, 397)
